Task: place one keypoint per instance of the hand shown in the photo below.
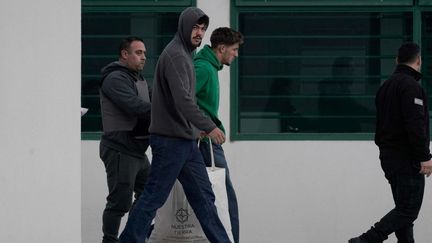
(202, 135)
(426, 168)
(217, 136)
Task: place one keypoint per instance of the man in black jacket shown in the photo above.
(402, 135)
(125, 106)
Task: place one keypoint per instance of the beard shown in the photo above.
(197, 45)
(197, 41)
(227, 61)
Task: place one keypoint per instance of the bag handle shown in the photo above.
(213, 166)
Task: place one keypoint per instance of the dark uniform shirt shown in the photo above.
(402, 124)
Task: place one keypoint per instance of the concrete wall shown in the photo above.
(40, 169)
(299, 192)
(289, 191)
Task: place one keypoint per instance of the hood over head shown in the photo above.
(188, 18)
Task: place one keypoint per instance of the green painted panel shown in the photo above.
(91, 135)
(137, 3)
(325, 2)
(425, 2)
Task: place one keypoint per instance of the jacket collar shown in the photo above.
(402, 68)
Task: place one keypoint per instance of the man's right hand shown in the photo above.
(217, 136)
(426, 168)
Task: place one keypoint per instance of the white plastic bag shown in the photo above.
(175, 221)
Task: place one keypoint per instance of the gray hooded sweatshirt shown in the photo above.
(174, 109)
(125, 108)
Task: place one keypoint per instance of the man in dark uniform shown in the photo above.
(402, 135)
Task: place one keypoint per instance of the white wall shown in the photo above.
(288, 191)
(93, 190)
(40, 167)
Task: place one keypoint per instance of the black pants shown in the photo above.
(407, 186)
(126, 174)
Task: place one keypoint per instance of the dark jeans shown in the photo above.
(407, 186)
(126, 174)
(175, 158)
(220, 161)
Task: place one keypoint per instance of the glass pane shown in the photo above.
(427, 53)
(425, 2)
(101, 35)
(325, 3)
(315, 72)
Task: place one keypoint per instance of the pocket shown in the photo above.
(158, 145)
(123, 168)
(103, 153)
(416, 166)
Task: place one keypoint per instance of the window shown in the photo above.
(104, 24)
(312, 72)
(427, 52)
(325, 2)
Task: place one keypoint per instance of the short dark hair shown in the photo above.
(408, 52)
(225, 36)
(126, 43)
(204, 20)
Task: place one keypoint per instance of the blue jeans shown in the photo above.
(175, 158)
(407, 186)
(220, 161)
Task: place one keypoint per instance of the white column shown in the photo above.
(219, 13)
(40, 169)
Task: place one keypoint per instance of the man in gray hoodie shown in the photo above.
(125, 108)
(176, 122)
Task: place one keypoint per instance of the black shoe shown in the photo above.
(357, 240)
